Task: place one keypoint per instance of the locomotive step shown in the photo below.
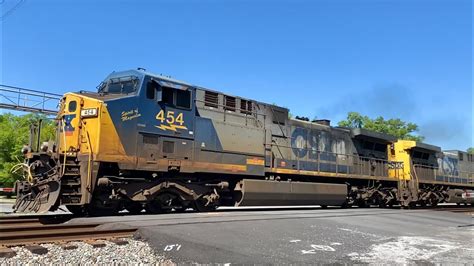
(72, 194)
(70, 183)
(71, 174)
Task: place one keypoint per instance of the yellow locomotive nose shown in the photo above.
(79, 123)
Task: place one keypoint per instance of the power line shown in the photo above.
(13, 9)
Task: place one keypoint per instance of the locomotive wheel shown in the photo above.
(77, 210)
(133, 207)
(200, 205)
(180, 210)
(154, 207)
(101, 206)
(163, 203)
(184, 205)
(347, 204)
(93, 210)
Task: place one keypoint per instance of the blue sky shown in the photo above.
(406, 59)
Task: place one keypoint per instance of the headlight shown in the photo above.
(44, 147)
(25, 149)
(90, 112)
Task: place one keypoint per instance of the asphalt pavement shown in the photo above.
(306, 235)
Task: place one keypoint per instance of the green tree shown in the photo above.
(470, 150)
(14, 133)
(394, 127)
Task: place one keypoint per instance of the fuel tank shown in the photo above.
(461, 196)
(251, 192)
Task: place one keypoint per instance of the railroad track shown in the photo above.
(37, 229)
(17, 231)
(456, 209)
(25, 220)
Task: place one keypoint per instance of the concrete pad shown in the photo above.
(301, 236)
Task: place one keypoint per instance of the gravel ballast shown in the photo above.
(135, 252)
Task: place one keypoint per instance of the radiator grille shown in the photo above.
(168, 146)
(211, 99)
(230, 103)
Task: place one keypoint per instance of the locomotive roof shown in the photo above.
(456, 152)
(428, 147)
(141, 73)
(364, 133)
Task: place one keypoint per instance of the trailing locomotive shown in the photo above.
(144, 141)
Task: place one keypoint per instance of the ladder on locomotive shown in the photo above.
(70, 181)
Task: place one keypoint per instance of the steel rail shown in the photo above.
(35, 228)
(21, 224)
(73, 236)
(31, 217)
(11, 236)
(18, 221)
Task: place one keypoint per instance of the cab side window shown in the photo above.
(167, 95)
(171, 96)
(183, 99)
(150, 90)
(72, 106)
(177, 98)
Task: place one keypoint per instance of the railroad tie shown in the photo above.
(7, 252)
(68, 246)
(96, 243)
(36, 249)
(119, 242)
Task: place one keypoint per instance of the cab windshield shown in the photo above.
(122, 85)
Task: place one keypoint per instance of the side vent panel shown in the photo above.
(211, 99)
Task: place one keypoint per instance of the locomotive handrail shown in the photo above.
(344, 163)
(414, 176)
(242, 112)
(279, 126)
(437, 173)
(334, 153)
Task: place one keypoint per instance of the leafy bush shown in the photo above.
(14, 134)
